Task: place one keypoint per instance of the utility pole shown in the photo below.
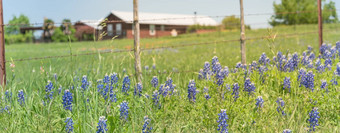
(138, 68)
(243, 35)
(2, 49)
(320, 23)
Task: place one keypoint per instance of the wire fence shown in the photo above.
(175, 45)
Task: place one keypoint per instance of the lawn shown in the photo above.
(181, 62)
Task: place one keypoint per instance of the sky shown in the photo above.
(76, 10)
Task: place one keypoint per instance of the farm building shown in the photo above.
(120, 24)
(87, 29)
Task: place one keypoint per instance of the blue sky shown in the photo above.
(75, 10)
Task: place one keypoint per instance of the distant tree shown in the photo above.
(13, 33)
(287, 12)
(232, 22)
(48, 28)
(14, 24)
(65, 32)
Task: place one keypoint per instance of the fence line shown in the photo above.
(174, 46)
(217, 16)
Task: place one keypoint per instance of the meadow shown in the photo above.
(172, 108)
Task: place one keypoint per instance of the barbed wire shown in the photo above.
(175, 18)
(173, 46)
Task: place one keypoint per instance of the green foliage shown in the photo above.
(16, 23)
(18, 38)
(232, 22)
(194, 28)
(176, 114)
(287, 12)
(65, 32)
(12, 31)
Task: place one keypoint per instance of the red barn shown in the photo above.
(120, 24)
(87, 29)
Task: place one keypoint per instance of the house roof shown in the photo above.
(165, 19)
(92, 23)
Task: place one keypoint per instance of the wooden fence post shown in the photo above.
(243, 36)
(2, 49)
(138, 69)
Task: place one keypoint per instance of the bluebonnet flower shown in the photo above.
(314, 118)
(249, 87)
(155, 98)
(6, 108)
(214, 61)
(153, 66)
(154, 81)
(310, 80)
(216, 68)
(200, 74)
(124, 110)
(302, 77)
(309, 49)
(8, 96)
(114, 78)
(113, 97)
(206, 91)
(102, 126)
(262, 69)
(311, 56)
(138, 89)
(166, 91)
(334, 81)
(253, 66)
(235, 91)
(60, 89)
(69, 125)
(328, 63)
(102, 88)
(192, 91)
(327, 54)
(106, 79)
(280, 106)
(21, 97)
(323, 48)
(55, 77)
(146, 67)
(225, 71)
(126, 84)
(222, 121)
(146, 126)
(319, 66)
(259, 102)
(287, 131)
(324, 85)
(206, 70)
(161, 89)
(84, 83)
(67, 100)
(280, 60)
(219, 77)
(337, 70)
(304, 60)
(286, 83)
(263, 59)
(49, 91)
(227, 88)
(310, 64)
(238, 65)
(170, 85)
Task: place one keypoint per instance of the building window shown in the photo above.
(109, 30)
(152, 30)
(162, 28)
(118, 29)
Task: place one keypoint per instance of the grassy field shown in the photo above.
(177, 113)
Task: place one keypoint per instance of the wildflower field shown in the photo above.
(286, 86)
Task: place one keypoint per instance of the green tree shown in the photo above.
(13, 33)
(232, 22)
(65, 32)
(290, 12)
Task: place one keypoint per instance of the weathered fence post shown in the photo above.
(138, 69)
(243, 36)
(2, 48)
(320, 23)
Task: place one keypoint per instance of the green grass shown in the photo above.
(176, 114)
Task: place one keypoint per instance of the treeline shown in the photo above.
(15, 32)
